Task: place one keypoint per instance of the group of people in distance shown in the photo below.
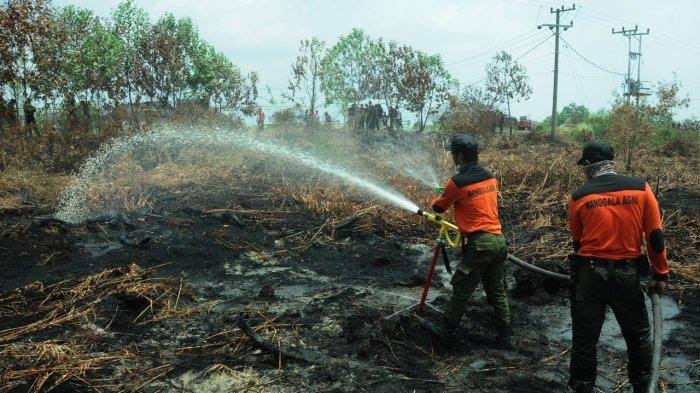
(610, 218)
(372, 117)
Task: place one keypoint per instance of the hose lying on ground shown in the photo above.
(544, 272)
(656, 318)
(444, 234)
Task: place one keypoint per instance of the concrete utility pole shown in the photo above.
(556, 27)
(633, 87)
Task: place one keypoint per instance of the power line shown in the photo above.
(512, 49)
(537, 58)
(535, 47)
(671, 45)
(616, 20)
(577, 81)
(589, 76)
(590, 62)
(522, 37)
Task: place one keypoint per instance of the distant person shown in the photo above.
(261, 119)
(474, 194)
(369, 120)
(610, 217)
(85, 109)
(71, 113)
(3, 112)
(12, 119)
(327, 118)
(30, 119)
(363, 116)
(352, 115)
(380, 120)
(392, 118)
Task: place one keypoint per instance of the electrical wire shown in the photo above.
(522, 37)
(520, 57)
(512, 49)
(577, 80)
(535, 47)
(588, 61)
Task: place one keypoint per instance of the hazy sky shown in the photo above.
(264, 35)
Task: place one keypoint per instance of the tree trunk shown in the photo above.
(510, 122)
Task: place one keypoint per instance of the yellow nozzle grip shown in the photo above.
(445, 228)
(445, 234)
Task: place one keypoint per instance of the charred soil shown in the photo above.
(239, 289)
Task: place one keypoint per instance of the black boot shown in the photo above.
(443, 333)
(583, 387)
(505, 337)
(640, 387)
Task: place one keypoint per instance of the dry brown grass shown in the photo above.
(30, 357)
(18, 185)
(535, 181)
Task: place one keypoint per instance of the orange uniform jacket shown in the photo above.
(611, 216)
(474, 194)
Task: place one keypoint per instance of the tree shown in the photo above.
(24, 47)
(90, 54)
(389, 83)
(473, 111)
(348, 69)
(667, 101)
(425, 86)
(130, 24)
(307, 74)
(573, 114)
(631, 125)
(162, 71)
(507, 81)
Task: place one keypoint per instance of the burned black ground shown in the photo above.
(323, 289)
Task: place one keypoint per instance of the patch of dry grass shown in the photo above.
(18, 185)
(31, 357)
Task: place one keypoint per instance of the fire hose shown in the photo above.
(452, 241)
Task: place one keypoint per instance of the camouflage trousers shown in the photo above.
(483, 258)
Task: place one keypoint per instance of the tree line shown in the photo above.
(67, 60)
(358, 68)
(74, 65)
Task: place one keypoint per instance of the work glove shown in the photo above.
(657, 287)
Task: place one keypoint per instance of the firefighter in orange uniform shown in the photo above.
(610, 218)
(474, 194)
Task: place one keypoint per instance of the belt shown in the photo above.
(607, 263)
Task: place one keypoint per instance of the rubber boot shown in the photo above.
(583, 387)
(443, 333)
(505, 337)
(640, 388)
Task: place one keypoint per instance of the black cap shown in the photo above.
(596, 152)
(462, 143)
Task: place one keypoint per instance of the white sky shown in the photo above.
(264, 35)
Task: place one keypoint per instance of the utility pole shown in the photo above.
(556, 27)
(633, 87)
